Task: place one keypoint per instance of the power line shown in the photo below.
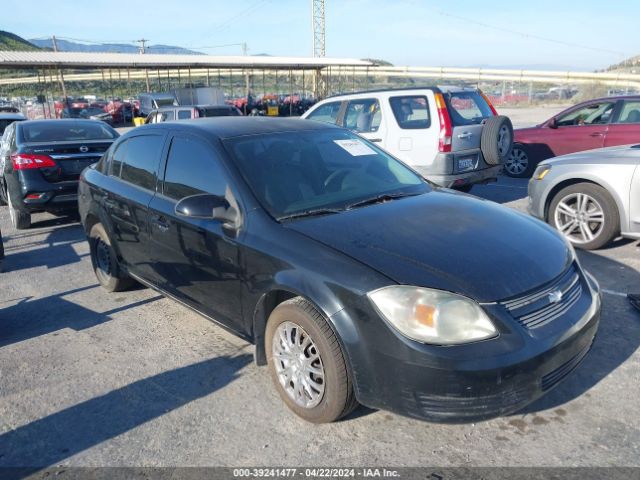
(528, 35)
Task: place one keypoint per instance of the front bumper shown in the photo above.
(445, 171)
(469, 382)
(536, 199)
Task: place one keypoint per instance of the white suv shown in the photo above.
(453, 136)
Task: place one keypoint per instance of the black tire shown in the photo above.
(610, 217)
(520, 163)
(3, 193)
(105, 262)
(20, 217)
(496, 141)
(338, 398)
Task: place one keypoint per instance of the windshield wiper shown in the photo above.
(380, 198)
(310, 213)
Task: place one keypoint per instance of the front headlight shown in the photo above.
(541, 172)
(432, 316)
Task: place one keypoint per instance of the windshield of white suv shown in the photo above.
(467, 108)
(309, 172)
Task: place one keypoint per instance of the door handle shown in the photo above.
(375, 140)
(596, 134)
(464, 135)
(160, 222)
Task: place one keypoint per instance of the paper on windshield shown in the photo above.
(355, 147)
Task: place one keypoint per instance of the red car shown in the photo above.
(603, 122)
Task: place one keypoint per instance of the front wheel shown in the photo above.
(586, 214)
(519, 164)
(307, 364)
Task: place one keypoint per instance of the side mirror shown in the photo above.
(204, 205)
(552, 123)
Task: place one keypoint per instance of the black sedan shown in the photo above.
(41, 161)
(356, 279)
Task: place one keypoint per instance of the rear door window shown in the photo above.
(467, 108)
(192, 168)
(327, 113)
(363, 115)
(140, 160)
(630, 112)
(411, 111)
(184, 114)
(593, 114)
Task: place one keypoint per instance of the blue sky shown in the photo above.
(583, 35)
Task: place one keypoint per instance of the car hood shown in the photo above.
(608, 155)
(446, 240)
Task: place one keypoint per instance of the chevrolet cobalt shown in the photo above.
(357, 280)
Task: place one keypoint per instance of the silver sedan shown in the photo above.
(591, 197)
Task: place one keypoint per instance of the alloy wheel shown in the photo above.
(517, 162)
(579, 217)
(298, 365)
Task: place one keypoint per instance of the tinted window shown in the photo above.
(363, 115)
(165, 116)
(184, 114)
(467, 108)
(192, 168)
(411, 111)
(592, 114)
(141, 159)
(117, 158)
(57, 130)
(218, 112)
(630, 112)
(4, 123)
(327, 113)
(297, 171)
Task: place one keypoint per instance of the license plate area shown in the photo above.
(467, 163)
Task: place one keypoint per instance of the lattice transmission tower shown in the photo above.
(317, 27)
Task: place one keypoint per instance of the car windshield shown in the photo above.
(58, 130)
(467, 108)
(320, 171)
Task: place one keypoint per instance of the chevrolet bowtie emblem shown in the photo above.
(555, 296)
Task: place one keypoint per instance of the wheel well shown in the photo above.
(559, 187)
(265, 306)
(89, 222)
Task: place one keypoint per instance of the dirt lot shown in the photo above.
(129, 379)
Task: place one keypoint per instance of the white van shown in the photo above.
(453, 136)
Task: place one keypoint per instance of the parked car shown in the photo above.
(167, 114)
(7, 119)
(41, 160)
(121, 112)
(603, 122)
(153, 101)
(590, 197)
(92, 113)
(249, 221)
(452, 136)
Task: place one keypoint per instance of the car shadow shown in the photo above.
(29, 318)
(617, 339)
(505, 190)
(55, 221)
(54, 251)
(50, 440)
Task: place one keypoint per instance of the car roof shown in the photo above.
(228, 127)
(433, 88)
(12, 116)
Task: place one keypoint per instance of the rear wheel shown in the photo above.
(586, 214)
(20, 218)
(519, 164)
(105, 263)
(307, 364)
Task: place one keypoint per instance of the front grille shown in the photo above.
(551, 379)
(539, 308)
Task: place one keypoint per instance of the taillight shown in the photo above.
(446, 131)
(486, 99)
(26, 161)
